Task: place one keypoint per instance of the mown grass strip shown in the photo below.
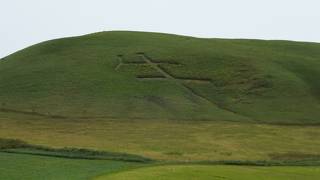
(20, 147)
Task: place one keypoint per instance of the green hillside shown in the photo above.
(125, 75)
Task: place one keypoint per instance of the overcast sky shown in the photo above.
(23, 23)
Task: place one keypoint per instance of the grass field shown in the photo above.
(23, 166)
(195, 172)
(19, 160)
(18, 166)
(169, 140)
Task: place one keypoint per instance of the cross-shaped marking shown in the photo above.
(166, 75)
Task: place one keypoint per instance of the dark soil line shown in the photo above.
(75, 153)
(149, 76)
(166, 62)
(7, 110)
(194, 79)
(293, 124)
(32, 113)
(152, 78)
(133, 63)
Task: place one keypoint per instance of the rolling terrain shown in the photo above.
(125, 105)
(159, 76)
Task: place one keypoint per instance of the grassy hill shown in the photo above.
(119, 105)
(125, 75)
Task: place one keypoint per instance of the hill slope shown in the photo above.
(160, 76)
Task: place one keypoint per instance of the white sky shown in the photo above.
(26, 22)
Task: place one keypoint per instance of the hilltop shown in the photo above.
(123, 75)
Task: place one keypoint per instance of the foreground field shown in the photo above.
(25, 166)
(168, 139)
(195, 172)
(18, 167)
